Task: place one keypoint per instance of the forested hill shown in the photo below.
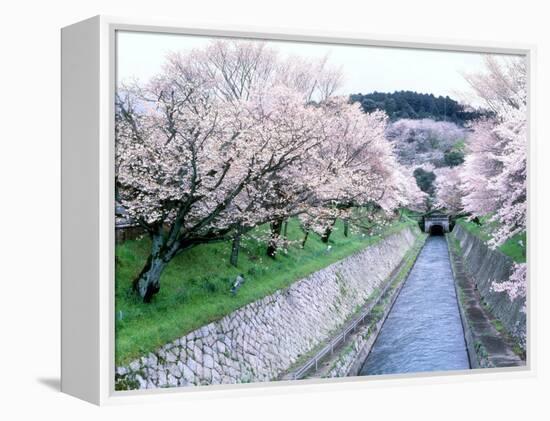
(414, 105)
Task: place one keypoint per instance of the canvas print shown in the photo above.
(290, 210)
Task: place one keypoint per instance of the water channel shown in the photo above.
(423, 331)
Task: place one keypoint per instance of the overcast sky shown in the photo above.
(366, 69)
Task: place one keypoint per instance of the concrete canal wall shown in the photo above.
(485, 266)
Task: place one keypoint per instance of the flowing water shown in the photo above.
(423, 331)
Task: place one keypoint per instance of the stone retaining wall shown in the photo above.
(485, 266)
(263, 339)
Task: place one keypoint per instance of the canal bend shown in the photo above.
(423, 331)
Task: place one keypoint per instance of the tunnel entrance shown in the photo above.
(436, 224)
(436, 230)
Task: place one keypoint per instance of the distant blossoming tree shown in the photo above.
(424, 142)
(448, 189)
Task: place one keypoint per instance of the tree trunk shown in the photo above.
(346, 227)
(276, 227)
(163, 250)
(326, 235)
(285, 229)
(236, 246)
(147, 282)
(305, 239)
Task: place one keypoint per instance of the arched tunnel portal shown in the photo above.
(436, 224)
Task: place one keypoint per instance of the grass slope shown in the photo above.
(515, 247)
(195, 286)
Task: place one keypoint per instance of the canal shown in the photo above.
(423, 331)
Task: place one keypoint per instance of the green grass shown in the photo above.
(195, 286)
(497, 324)
(515, 247)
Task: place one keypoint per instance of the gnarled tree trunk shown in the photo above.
(147, 283)
(276, 227)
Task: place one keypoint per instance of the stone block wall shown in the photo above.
(262, 340)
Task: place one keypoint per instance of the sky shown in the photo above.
(366, 69)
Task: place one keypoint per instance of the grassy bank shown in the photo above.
(515, 247)
(195, 287)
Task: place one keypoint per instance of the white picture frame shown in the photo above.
(88, 81)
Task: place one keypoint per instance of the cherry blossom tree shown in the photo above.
(190, 168)
(501, 87)
(448, 189)
(316, 79)
(240, 69)
(494, 176)
(479, 168)
(211, 146)
(423, 142)
(361, 167)
(231, 137)
(296, 129)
